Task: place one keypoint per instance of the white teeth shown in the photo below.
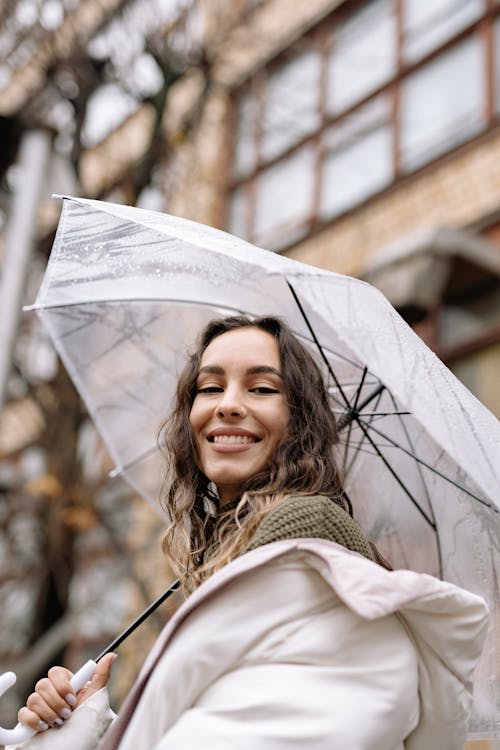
(234, 439)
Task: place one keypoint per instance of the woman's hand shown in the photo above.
(54, 698)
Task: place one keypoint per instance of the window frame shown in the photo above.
(318, 37)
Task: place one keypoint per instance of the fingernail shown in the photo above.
(70, 699)
(58, 722)
(43, 725)
(65, 713)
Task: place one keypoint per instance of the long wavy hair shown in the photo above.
(202, 537)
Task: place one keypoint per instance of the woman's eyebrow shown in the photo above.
(211, 370)
(256, 370)
(263, 369)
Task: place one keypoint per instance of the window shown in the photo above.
(427, 25)
(362, 54)
(442, 103)
(291, 109)
(358, 158)
(376, 91)
(246, 144)
(283, 198)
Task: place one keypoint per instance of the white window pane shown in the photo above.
(426, 25)
(291, 109)
(360, 160)
(363, 54)
(442, 104)
(245, 158)
(284, 197)
(238, 212)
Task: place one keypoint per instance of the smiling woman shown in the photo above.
(260, 430)
(293, 634)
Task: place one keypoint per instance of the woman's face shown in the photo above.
(240, 413)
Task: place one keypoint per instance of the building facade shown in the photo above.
(362, 137)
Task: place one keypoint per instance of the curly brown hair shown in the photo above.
(197, 544)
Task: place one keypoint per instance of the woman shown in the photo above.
(292, 635)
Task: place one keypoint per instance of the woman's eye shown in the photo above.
(264, 389)
(209, 389)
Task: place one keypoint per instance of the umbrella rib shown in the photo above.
(348, 442)
(133, 461)
(419, 468)
(359, 446)
(431, 468)
(347, 383)
(315, 339)
(377, 396)
(119, 300)
(396, 477)
(359, 389)
(353, 409)
(371, 414)
(426, 491)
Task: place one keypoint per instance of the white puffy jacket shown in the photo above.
(299, 643)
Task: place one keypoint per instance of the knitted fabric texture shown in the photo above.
(315, 517)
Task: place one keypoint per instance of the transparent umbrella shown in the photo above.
(127, 291)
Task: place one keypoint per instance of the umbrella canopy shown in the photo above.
(124, 297)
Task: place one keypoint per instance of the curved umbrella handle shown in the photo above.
(21, 733)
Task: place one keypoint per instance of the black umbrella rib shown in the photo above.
(404, 427)
(360, 388)
(396, 477)
(352, 411)
(355, 419)
(342, 421)
(430, 467)
(315, 339)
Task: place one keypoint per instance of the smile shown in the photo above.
(233, 439)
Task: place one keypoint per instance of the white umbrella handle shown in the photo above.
(21, 733)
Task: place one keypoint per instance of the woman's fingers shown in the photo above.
(46, 702)
(99, 679)
(44, 707)
(103, 671)
(53, 699)
(31, 719)
(60, 680)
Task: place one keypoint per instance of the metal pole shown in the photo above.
(20, 234)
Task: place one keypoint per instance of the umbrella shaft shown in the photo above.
(117, 641)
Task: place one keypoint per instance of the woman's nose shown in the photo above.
(230, 405)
